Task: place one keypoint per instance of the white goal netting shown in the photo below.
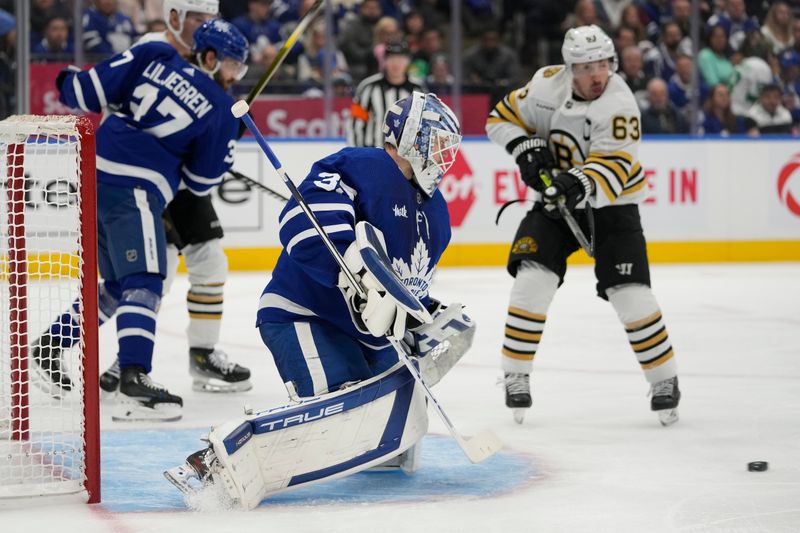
(43, 431)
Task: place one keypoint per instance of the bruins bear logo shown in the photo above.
(525, 245)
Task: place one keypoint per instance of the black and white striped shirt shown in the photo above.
(373, 97)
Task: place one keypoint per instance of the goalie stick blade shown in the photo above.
(482, 446)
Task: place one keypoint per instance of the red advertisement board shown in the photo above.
(277, 117)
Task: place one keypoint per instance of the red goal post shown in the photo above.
(49, 441)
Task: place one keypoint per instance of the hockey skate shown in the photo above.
(518, 394)
(46, 353)
(212, 372)
(195, 474)
(109, 381)
(665, 400)
(140, 399)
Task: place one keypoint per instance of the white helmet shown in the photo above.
(209, 7)
(585, 44)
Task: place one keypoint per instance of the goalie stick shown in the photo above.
(477, 448)
(281, 55)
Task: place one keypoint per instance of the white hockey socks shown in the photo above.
(639, 312)
(534, 289)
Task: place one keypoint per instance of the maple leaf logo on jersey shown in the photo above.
(415, 276)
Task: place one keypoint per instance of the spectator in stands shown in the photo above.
(680, 86)
(682, 15)
(491, 64)
(261, 30)
(736, 22)
(768, 113)
(718, 117)
(311, 63)
(430, 46)
(355, 37)
(413, 26)
(41, 12)
(631, 19)
(610, 12)
(656, 13)
(439, 79)
(387, 30)
(661, 115)
(106, 30)
(751, 72)
(790, 81)
(632, 72)
(624, 38)
(714, 60)
(584, 14)
(778, 26)
(56, 44)
(134, 10)
(659, 61)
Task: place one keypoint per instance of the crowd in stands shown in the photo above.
(748, 57)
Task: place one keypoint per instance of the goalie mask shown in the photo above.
(228, 44)
(427, 134)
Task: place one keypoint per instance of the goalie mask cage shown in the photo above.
(49, 438)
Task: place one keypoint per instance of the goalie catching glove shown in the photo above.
(389, 308)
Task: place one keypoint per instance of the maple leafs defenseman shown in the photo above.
(355, 405)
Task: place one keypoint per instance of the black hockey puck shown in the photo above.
(757, 466)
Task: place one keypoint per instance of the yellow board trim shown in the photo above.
(482, 255)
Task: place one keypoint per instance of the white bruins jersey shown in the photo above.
(601, 137)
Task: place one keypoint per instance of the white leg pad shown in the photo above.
(319, 439)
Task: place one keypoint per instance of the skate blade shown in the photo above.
(131, 411)
(519, 415)
(185, 479)
(217, 385)
(667, 417)
(108, 397)
(46, 384)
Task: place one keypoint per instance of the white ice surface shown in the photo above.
(605, 463)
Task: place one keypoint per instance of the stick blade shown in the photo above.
(482, 446)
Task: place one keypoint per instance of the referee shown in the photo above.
(376, 93)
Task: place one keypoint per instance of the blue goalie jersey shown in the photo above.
(349, 186)
(170, 122)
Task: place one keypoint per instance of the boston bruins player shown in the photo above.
(579, 123)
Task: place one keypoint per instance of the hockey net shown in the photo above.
(49, 437)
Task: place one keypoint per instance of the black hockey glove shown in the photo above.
(72, 69)
(573, 185)
(533, 156)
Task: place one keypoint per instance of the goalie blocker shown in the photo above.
(316, 439)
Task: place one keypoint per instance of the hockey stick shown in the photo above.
(253, 183)
(586, 244)
(281, 55)
(477, 448)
